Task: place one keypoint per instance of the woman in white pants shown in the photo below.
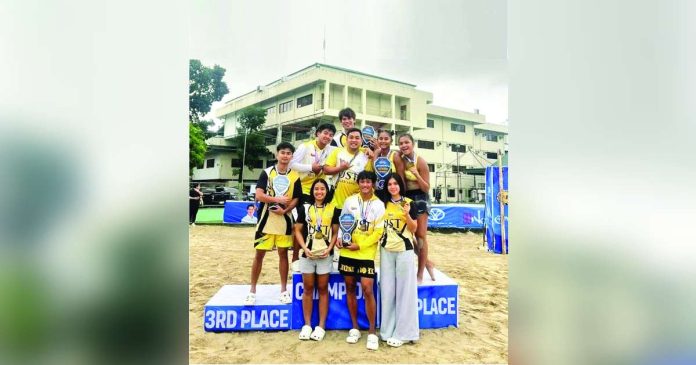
(398, 287)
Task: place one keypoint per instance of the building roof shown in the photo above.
(500, 128)
(455, 114)
(319, 65)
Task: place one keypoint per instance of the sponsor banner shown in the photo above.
(456, 216)
(247, 318)
(235, 211)
(437, 306)
(338, 317)
(492, 214)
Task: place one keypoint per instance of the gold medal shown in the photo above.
(318, 235)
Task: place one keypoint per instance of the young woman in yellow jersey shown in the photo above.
(316, 230)
(398, 287)
(414, 171)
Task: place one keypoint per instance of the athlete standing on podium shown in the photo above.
(416, 176)
(275, 224)
(398, 288)
(316, 230)
(357, 257)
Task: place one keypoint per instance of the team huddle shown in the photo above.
(345, 196)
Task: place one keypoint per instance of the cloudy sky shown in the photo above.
(455, 49)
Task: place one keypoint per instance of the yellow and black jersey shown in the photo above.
(307, 216)
(271, 223)
(346, 182)
(306, 154)
(397, 237)
(369, 218)
(339, 139)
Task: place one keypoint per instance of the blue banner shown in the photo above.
(337, 317)
(238, 212)
(493, 228)
(437, 306)
(456, 216)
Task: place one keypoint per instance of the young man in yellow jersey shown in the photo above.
(345, 163)
(275, 224)
(347, 118)
(308, 160)
(357, 260)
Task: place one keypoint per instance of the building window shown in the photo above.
(458, 148)
(450, 193)
(209, 163)
(428, 145)
(456, 169)
(282, 108)
(458, 127)
(491, 155)
(237, 163)
(430, 123)
(491, 137)
(270, 140)
(301, 135)
(286, 137)
(258, 164)
(270, 111)
(431, 167)
(304, 101)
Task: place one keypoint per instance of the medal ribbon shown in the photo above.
(363, 211)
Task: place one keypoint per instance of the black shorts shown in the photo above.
(421, 199)
(353, 267)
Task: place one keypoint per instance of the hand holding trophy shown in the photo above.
(281, 184)
(347, 223)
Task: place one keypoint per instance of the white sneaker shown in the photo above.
(250, 299)
(353, 336)
(305, 332)
(372, 342)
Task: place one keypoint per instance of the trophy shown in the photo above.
(347, 223)
(281, 184)
(382, 169)
(319, 243)
(368, 132)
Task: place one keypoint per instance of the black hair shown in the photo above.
(193, 185)
(351, 130)
(347, 112)
(385, 195)
(250, 205)
(284, 146)
(407, 135)
(366, 175)
(329, 192)
(328, 126)
(387, 131)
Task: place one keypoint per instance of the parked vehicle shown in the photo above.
(215, 196)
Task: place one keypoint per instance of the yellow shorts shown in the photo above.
(266, 241)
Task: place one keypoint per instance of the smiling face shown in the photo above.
(319, 192)
(405, 145)
(354, 140)
(365, 186)
(284, 156)
(347, 122)
(393, 187)
(324, 137)
(384, 140)
(250, 211)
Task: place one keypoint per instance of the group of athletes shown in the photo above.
(332, 175)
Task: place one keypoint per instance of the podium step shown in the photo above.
(226, 311)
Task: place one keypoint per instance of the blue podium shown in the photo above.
(438, 305)
(226, 311)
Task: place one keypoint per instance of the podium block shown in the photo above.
(438, 301)
(338, 316)
(226, 311)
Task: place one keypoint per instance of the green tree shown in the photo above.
(205, 87)
(251, 121)
(197, 147)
